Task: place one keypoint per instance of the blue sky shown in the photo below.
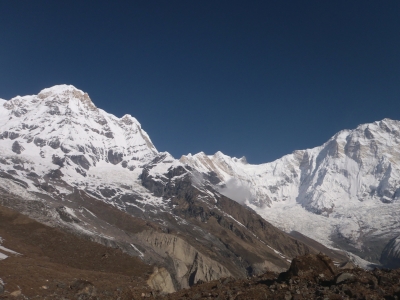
(249, 78)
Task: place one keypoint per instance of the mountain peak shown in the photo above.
(67, 92)
(60, 88)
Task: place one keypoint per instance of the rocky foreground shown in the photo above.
(309, 277)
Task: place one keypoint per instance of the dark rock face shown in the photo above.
(178, 171)
(108, 193)
(55, 174)
(17, 148)
(32, 174)
(4, 161)
(213, 178)
(54, 110)
(390, 256)
(13, 135)
(163, 185)
(101, 120)
(58, 160)
(114, 157)
(64, 149)
(10, 135)
(16, 180)
(130, 198)
(158, 158)
(155, 186)
(80, 160)
(109, 134)
(47, 187)
(19, 167)
(81, 171)
(39, 142)
(55, 143)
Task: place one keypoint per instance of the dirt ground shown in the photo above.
(58, 265)
(54, 264)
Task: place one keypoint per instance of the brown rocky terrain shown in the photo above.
(309, 277)
(54, 264)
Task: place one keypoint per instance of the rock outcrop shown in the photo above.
(161, 281)
(190, 265)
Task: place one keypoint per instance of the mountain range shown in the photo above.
(343, 194)
(70, 165)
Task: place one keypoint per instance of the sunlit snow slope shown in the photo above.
(61, 133)
(344, 193)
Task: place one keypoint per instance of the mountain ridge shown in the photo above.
(337, 187)
(61, 136)
(71, 165)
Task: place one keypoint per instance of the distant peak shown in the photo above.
(388, 120)
(219, 153)
(243, 160)
(196, 155)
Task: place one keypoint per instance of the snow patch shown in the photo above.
(136, 249)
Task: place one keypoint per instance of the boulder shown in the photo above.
(344, 277)
(161, 281)
(311, 266)
(83, 288)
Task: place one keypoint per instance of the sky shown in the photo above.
(249, 78)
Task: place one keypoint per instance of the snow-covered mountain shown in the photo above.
(69, 164)
(61, 127)
(344, 193)
(58, 147)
